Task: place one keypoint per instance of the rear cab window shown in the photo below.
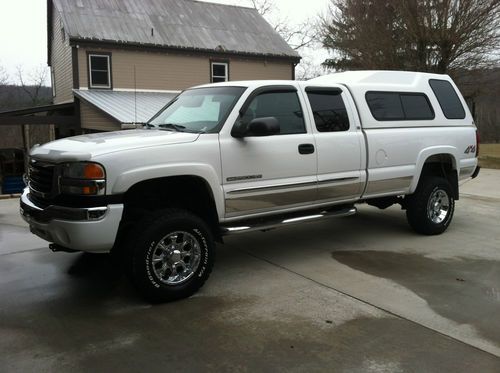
(447, 98)
(391, 106)
(328, 108)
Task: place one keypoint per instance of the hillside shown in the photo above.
(13, 97)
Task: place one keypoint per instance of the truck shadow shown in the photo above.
(464, 290)
(96, 277)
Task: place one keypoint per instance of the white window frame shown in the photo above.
(53, 81)
(226, 67)
(90, 70)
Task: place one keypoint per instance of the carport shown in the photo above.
(21, 129)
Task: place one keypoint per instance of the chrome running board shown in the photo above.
(272, 222)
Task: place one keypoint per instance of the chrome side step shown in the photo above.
(55, 248)
(282, 221)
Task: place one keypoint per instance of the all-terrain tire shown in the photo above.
(155, 254)
(430, 209)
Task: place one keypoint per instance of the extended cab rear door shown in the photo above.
(269, 174)
(339, 143)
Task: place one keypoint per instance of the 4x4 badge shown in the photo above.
(470, 149)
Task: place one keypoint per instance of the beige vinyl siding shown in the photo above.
(255, 69)
(170, 71)
(152, 70)
(61, 62)
(94, 119)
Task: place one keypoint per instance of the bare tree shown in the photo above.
(308, 68)
(301, 37)
(264, 7)
(297, 36)
(32, 82)
(423, 35)
(4, 77)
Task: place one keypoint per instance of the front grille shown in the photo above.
(39, 201)
(41, 178)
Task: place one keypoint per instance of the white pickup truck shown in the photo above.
(235, 157)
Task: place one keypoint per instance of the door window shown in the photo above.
(330, 114)
(284, 106)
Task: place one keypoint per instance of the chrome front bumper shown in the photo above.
(84, 229)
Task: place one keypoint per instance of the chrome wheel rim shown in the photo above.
(438, 206)
(176, 257)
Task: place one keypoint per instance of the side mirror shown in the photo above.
(266, 126)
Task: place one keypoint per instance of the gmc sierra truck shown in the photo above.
(235, 157)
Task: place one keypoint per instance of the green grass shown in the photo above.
(489, 155)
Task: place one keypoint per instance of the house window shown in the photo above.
(219, 72)
(99, 71)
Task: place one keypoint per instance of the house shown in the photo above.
(120, 62)
(116, 63)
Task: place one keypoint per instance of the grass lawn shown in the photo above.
(489, 155)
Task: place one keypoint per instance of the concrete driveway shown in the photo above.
(355, 294)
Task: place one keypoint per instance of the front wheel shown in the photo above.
(430, 209)
(172, 256)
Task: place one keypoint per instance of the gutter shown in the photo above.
(158, 47)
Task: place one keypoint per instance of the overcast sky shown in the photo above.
(23, 28)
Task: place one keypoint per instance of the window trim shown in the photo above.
(53, 81)
(402, 93)
(456, 95)
(219, 62)
(89, 65)
(265, 89)
(312, 88)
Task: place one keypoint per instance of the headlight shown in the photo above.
(83, 178)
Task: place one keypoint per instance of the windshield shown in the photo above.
(198, 110)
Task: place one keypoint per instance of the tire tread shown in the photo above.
(416, 207)
(137, 240)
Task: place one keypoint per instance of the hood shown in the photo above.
(85, 147)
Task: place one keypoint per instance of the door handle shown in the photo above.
(306, 148)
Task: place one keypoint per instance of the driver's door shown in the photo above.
(263, 174)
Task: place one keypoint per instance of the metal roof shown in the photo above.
(127, 107)
(37, 109)
(180, 24)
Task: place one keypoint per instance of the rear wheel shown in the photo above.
(430, 209)
(172, 256)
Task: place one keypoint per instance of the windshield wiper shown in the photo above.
(175, 127)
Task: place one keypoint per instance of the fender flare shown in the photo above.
(425, 154)
(131, 177)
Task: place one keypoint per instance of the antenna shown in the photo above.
(135, 98)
